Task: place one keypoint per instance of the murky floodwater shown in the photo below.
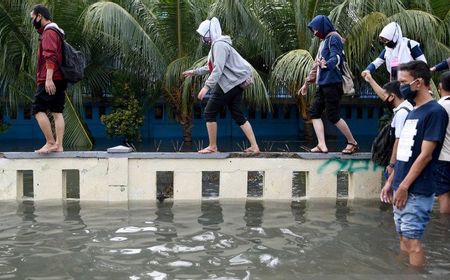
(212, 240)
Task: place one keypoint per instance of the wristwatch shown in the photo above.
(392, 165)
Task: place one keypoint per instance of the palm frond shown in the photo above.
(290, 70)
(257, 95)
(238, 19)
(115, 25)
(76, 134)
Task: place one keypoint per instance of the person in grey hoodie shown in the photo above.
(229, 73)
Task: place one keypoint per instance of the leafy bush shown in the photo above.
(126, 118)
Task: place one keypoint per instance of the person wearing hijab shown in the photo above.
(397, 50)
(229, 73)
(328, 76)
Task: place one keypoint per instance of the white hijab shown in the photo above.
(393, 32)
(210, 28)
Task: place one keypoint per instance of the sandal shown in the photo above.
(318, 150)
(252, 151)
(354, 149)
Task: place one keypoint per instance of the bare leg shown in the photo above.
(444, 203)
(46, 127)
(403, 245)
(416, 253)
(212, 136)
(59, 129)
(343, 127)
(248, 131)
(320, 134)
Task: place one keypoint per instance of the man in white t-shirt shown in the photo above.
(442, 172)
(390, 94)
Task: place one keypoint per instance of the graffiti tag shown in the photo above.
(348, 165)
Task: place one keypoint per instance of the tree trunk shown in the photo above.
(309, 131)
(187, 129)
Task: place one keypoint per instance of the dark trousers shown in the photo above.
(327, 99)
(231, 99)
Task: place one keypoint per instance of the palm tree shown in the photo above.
(425, 21)
(288, 21)
(359, 21)
(18, 61)
(159, 36)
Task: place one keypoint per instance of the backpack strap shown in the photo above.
(404, 108)
(341, 57)
(61, 35)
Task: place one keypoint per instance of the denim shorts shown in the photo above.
(441, 177)
(410, 222)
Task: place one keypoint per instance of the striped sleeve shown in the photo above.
(377, 62)
(444, 65)
(416, 51)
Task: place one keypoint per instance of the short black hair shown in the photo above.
(445, 81)
(42, 10)
(393, 87)
(417, 69)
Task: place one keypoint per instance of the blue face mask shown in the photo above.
(407, 92)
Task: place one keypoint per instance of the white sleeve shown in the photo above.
(399, 121)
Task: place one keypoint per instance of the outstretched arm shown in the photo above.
(375, 86)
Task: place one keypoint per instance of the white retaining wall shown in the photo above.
(132, 176)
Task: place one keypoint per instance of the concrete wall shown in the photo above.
(132, 176)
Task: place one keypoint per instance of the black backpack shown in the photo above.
(73, 63)
(383, 144)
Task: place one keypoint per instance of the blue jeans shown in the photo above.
(410, 222)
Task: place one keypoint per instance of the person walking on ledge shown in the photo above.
(328, 76)
(229, 74)
(51, 86)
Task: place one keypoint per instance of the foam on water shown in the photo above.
(212, 240)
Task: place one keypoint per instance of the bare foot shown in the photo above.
(47, 148)
(252, 150)
(60, 148)
(208, 150)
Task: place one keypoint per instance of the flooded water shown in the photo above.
(313, 239)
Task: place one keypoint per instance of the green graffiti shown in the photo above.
(348, 165)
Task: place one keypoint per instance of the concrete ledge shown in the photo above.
(133, 176)
(141, 155)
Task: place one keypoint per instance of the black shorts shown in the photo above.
(232, 99)
(44, 102)
(327, 99)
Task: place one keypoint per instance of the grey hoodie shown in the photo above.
(229, 68)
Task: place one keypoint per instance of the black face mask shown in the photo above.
(391, 44)
(389, 102)
(37, 24)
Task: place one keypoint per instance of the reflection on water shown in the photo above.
(307, 239)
